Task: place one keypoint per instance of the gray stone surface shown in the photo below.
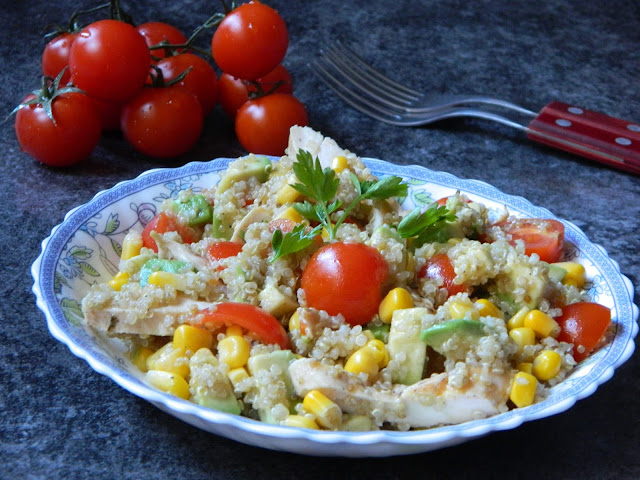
(60, 419)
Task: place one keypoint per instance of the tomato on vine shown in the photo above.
(55, 56)
(262, 125)
(57, 127)
(109, 60)
(156, 33)
(250, 41)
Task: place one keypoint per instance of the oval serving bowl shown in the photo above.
(85, 249)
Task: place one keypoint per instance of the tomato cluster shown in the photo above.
(153, 84)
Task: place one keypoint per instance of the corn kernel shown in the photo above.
(140, 356)
(523, 336)
(234, 351)
(287, 194)
(170, 359)
(237, 375)
(192, 338)
(487, 309)
(547, 365)
(397, 299)
(379, 349)
(169, 382)
(166, 278)
(362, 360)
(131, 245)
(234, 330)
(517, 320)
(328, 414)
(119, 280)
(296, 324)
(526, 367)
(339, 163)
(300, 421)
(523, 389)
(576, 274)
(459, 309)
(290, 214)
(542, 324)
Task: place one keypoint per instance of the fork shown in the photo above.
(592, 135)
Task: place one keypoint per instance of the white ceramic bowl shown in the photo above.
(84, 249)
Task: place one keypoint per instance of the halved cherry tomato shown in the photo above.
(219, 250)
(345, 278)
(583, 324)
(163, 223)
(264, 325)
(542, 236)
(440, 267)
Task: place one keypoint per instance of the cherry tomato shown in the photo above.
(345, 278)
(264, 325)
(263, 124)
(201, 80)
(110, 61)
(162, 122)
(219, 250)
(158, 32)
(542, 236)
(163, 223)
(250, 42)
(109, 113)
(583, 324)
(69, 140)
(235, 92)
(55, 56)
(439, 267)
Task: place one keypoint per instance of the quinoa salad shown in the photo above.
(300, 292)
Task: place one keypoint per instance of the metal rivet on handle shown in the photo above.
(633, 128)
(575, 110)
(563, 123)
(623, 141)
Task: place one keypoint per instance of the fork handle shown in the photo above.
(592, 135)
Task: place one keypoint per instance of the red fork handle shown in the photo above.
(592, 135)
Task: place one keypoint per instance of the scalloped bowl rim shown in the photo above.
(311, 442)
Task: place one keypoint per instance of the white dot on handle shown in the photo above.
(575, 110)
(563, 123)
(623, 141)
(633, 128)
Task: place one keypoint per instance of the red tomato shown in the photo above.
(583, 324)
(235, 92)
(69, 140)
(542, 236)
(163, 223)
(264, 325)
(201, 80)
(345, 278)
(263, 124)
(439, 267)
(109, 60)
(56, 56)
(162, 122)
(155, 33)
(250, 42)
(219, 250)
(109, 113)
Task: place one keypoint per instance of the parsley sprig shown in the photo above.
(426, 226)
(320, 187)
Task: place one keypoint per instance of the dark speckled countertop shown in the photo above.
(60, 420)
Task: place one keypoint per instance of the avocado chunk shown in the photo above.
(244, 168)
(265, 362)
(468, 331)
(194, 210)
(557, 273)
(210, 385)
(405, 346)
(161, 265)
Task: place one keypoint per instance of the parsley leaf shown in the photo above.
(294, 241)
(427, 225)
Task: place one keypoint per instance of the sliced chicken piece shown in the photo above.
(305, 138)
(428, 403)
(255, 215)
(111, 316)
(168, 248)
